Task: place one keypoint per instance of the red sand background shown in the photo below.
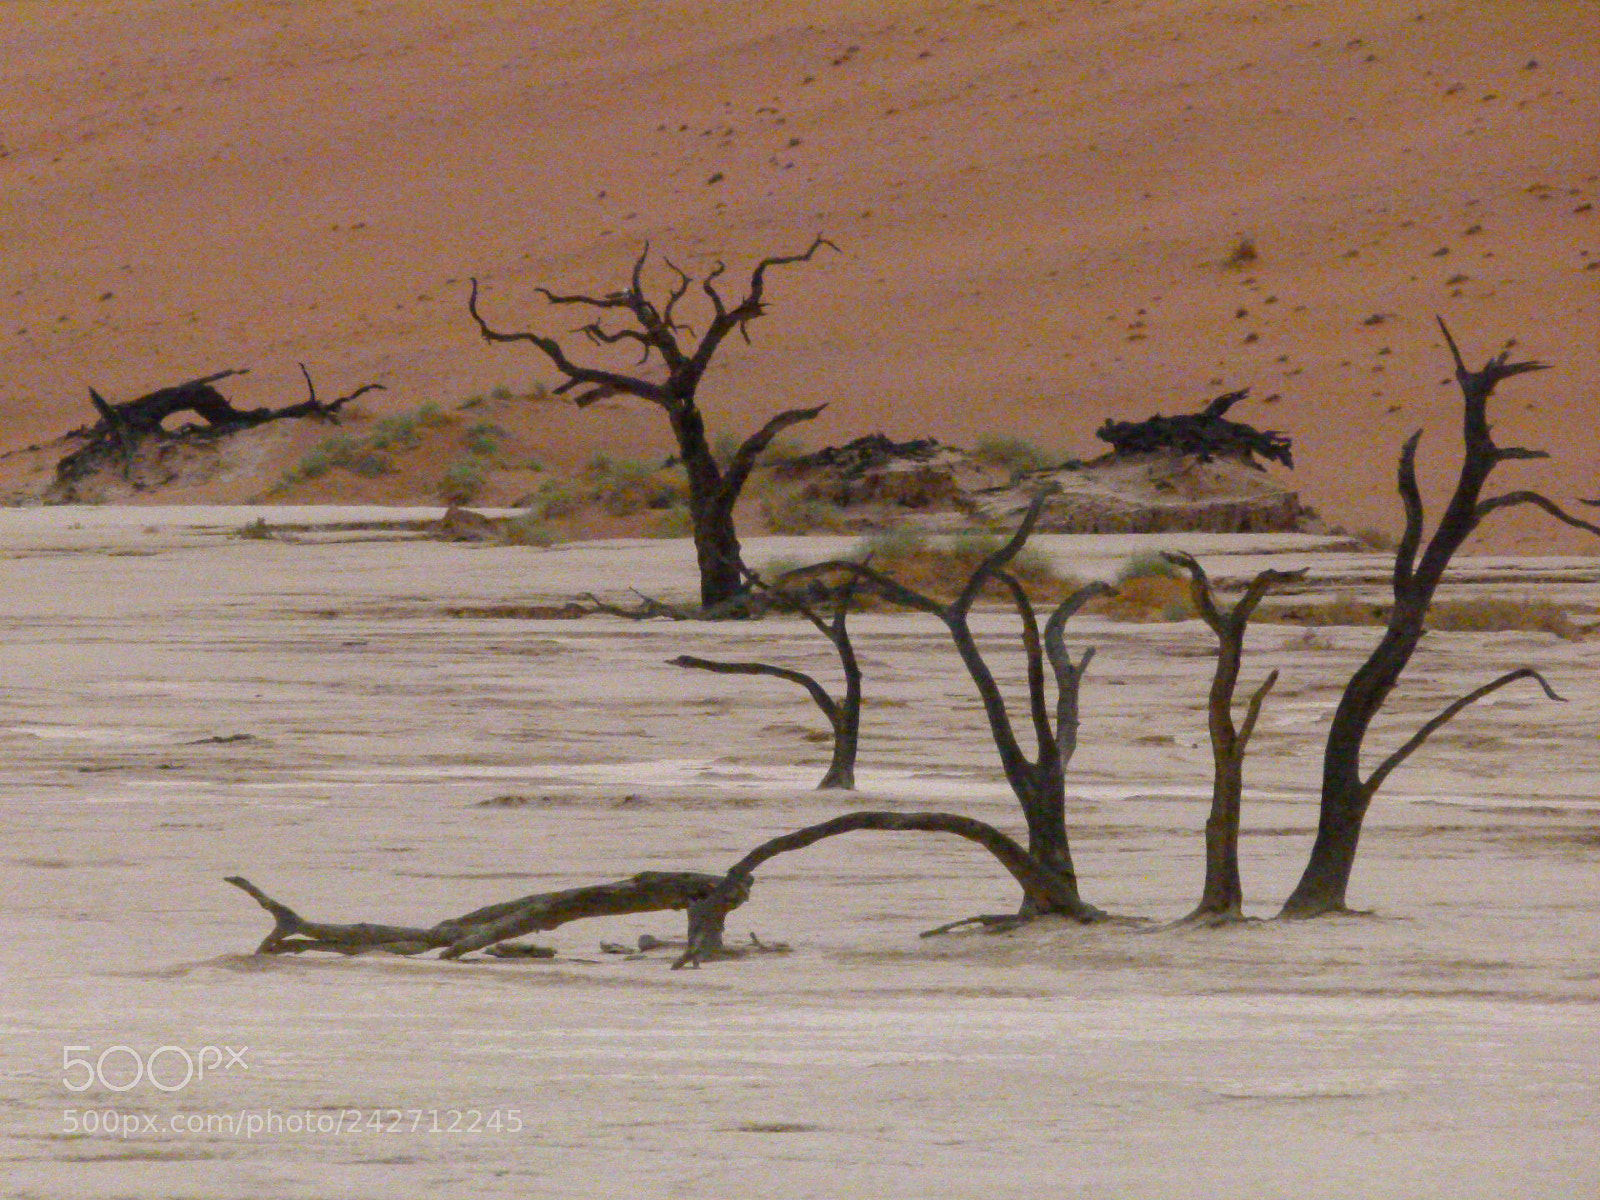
(1032, 200)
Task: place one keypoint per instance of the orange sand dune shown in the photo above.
(1032, 201)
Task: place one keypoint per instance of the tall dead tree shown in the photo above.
(678, 362)
(1039, 783)
(1418, 569)
(844, 715)
(1222, 897)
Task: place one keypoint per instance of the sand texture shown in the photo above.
(308, 713)
(1033, 203)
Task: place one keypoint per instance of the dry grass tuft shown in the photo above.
(1147, 598)
(940, 566)
(1016, 455)
(1472, 614)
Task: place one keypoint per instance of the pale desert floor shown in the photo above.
(1443, 1047)
(1031, 200)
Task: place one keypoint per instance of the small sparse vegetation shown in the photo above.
(483, 439)
(941, 565)
(370, 456)
(1016, 455)
(792, 511)
(256, 531)
(1379, 540)
(462, 480)
(1148, 588)
(1243, 254)
(528, 529)
(1468, 614)
(623, 487)
(672, 523)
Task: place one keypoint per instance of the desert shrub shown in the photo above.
(528, 529)
(256, 531)
(1013, 454)
(1380, 540)
(1147, 564)
(482, 439)
(791, 510)
(400, 430)
(1242, 254)
(552, 499)
(623, 487)
(1471, 614)
(1143, 598)
(330, 452)
(672, 523)
(462, 480)
(939, 566)
(1489, 614)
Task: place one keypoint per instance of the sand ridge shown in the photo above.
(1031, 198)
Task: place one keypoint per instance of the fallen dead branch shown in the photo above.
(484, 928)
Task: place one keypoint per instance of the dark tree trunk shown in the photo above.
(1222, 896)
(1038, 783)
(661, 337)
(1418, 570)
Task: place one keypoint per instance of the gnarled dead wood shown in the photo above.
(1046, 889)
(1418, 570)
(1204, 435)
(122, 429)
(679, 361)
(1222, 897)
(648, 891)
(1039, 783)
(844, 715)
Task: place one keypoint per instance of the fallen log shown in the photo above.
(483, 928)
(116, 439)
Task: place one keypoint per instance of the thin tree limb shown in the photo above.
(1512, 499)
(825, 702)
(1412, 744)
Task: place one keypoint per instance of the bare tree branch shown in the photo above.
(649, 891)
(818, 693)
(745, 458)
(1512, 499)
(1382, 772)
(706, 916)
(601, 383)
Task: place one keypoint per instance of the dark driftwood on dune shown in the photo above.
(1204, 435)
(116, 438)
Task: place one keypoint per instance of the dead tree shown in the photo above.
(844, 715)
(485, 928)
(1418, 570)
(1039, 783)
(666, 344)
(1222, 897)
(1204, 435)
(123, 429)
(1045, 889)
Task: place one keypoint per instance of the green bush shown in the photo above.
(462, 481)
